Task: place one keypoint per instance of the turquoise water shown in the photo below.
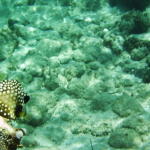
(85, 65)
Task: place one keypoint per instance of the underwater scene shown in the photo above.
(74, 74)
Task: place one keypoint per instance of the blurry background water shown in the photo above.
(5, 11)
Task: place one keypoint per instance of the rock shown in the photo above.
(8, 43)
(102, 101)
(126, 105)
(124, 138)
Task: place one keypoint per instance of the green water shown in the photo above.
(86, 67)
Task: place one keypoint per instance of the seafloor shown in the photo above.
(85, 65)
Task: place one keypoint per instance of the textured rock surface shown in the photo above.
(85, 69)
